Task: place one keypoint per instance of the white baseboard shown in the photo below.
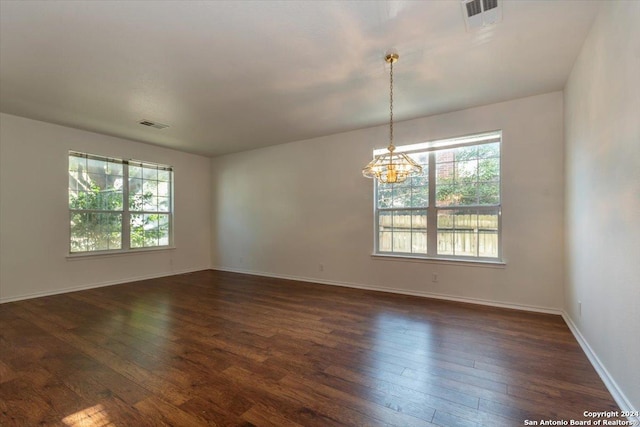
(607, 379)
(96, 285)
(479, 301)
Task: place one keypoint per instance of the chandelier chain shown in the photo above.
(391, 105)
(391, 168)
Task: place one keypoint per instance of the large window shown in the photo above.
(452, 210)
(118, 205)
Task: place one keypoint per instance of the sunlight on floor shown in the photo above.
(95, 416)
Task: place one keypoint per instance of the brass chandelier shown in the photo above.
(390, 167)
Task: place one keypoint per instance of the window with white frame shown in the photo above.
(118, 205)
(452, 210)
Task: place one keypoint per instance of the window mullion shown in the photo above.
(171, 208)
(432, 214)
(126, 223)
(376, 220)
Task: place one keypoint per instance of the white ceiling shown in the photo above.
(230, 76)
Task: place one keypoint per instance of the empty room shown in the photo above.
(320, 213)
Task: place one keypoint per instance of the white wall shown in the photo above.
(285, 209)
(602, 113)
(34, 216)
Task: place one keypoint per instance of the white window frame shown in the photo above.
(126, 212)
(432, 147)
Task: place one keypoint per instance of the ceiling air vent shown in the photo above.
(153, 124)
(480, 13)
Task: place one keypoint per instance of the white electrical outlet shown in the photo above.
(580, 308)
(434, 278)
(321, 267)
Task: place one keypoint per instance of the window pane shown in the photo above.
(150, 203)
(113, 230)
(489, 169)
(384, 241)
(92, 231)
(488, 244)
(93, 186)
(401, 196)
(466, 194)
(489, 193)
(419, 220)
(466, 171)
(150, 173)
(136, 226)
(96, 166)
(444, 156)
(419, 229)
(446, 195)
(135, 185)
(468, 232)
(488, 234)
(149, 230)
(385, 233)
(465, 237)
(445, 233)
(164, 176)
(467, 198)
(468, 176)
(163, 189)
(402, 241)
(135, 171)
(402, 231)
(385, 195)
(419, 242)
(489, 150)
(77, 163)
(163, 204)
(150, 187)
(114, 169)
(421, 158)
(78, 241)
(445, 173)
(96, 199)
(163, 230)
(77, 199)
(465, 153)
(143, 195)
(421, 180)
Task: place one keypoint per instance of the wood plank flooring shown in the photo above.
(214, 348)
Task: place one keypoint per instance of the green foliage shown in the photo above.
(469, 176)
(465, 176)
(96, 223)
(96, 220)
(148, 229)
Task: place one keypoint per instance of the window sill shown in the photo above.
(446, 261)
(108, 254)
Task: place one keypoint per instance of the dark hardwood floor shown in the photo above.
(214, 348)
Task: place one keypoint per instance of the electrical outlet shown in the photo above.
(434, 277)
(580, 308)
(321, 267)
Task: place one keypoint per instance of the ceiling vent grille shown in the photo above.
(480, 13)
(151, 124)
